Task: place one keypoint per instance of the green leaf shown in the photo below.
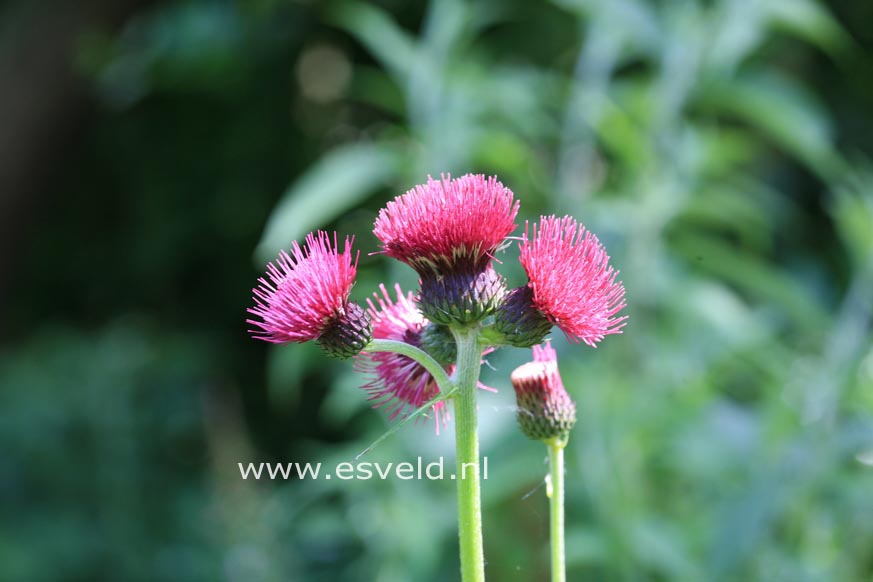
(339, 181)
(621, 134)
(392, 46)
(810, 21)
(763, 281)
(781, 109)
(852, 209)
(737, 209)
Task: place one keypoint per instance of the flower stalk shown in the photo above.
(463, 391)
(404, 349)
(467, 452)
(556, 508)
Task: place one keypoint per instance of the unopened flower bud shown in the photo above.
(545, 410)
(438, 341)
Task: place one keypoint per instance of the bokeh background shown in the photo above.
(154, 155)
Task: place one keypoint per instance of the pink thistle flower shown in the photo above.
(447, 225)
(398, 382)
(570, 279)
(545, 410)
(307, 298)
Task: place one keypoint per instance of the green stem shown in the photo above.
(556, 507)
(467, 447)
(438, 372)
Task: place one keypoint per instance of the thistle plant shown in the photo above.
(423, 351)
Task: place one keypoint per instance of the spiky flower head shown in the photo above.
(448, 225)
(448, 231)
(399, 382)
(571, 282)
(305, 297)
(545, 410)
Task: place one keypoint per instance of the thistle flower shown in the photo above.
(545, 410)
(398, 382)
(448, 231)
(571, 285)
(448, 225)
(307, 298)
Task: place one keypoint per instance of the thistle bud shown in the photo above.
(519, 322)
(438, 341)
(545, 410)
(348, 333)
(461, 297)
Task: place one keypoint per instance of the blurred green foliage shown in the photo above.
(719, 149)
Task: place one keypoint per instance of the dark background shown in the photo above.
(155, 155)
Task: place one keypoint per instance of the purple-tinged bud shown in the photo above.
(519, 322)
(461, 297)
(545, 410)
(348, 333)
